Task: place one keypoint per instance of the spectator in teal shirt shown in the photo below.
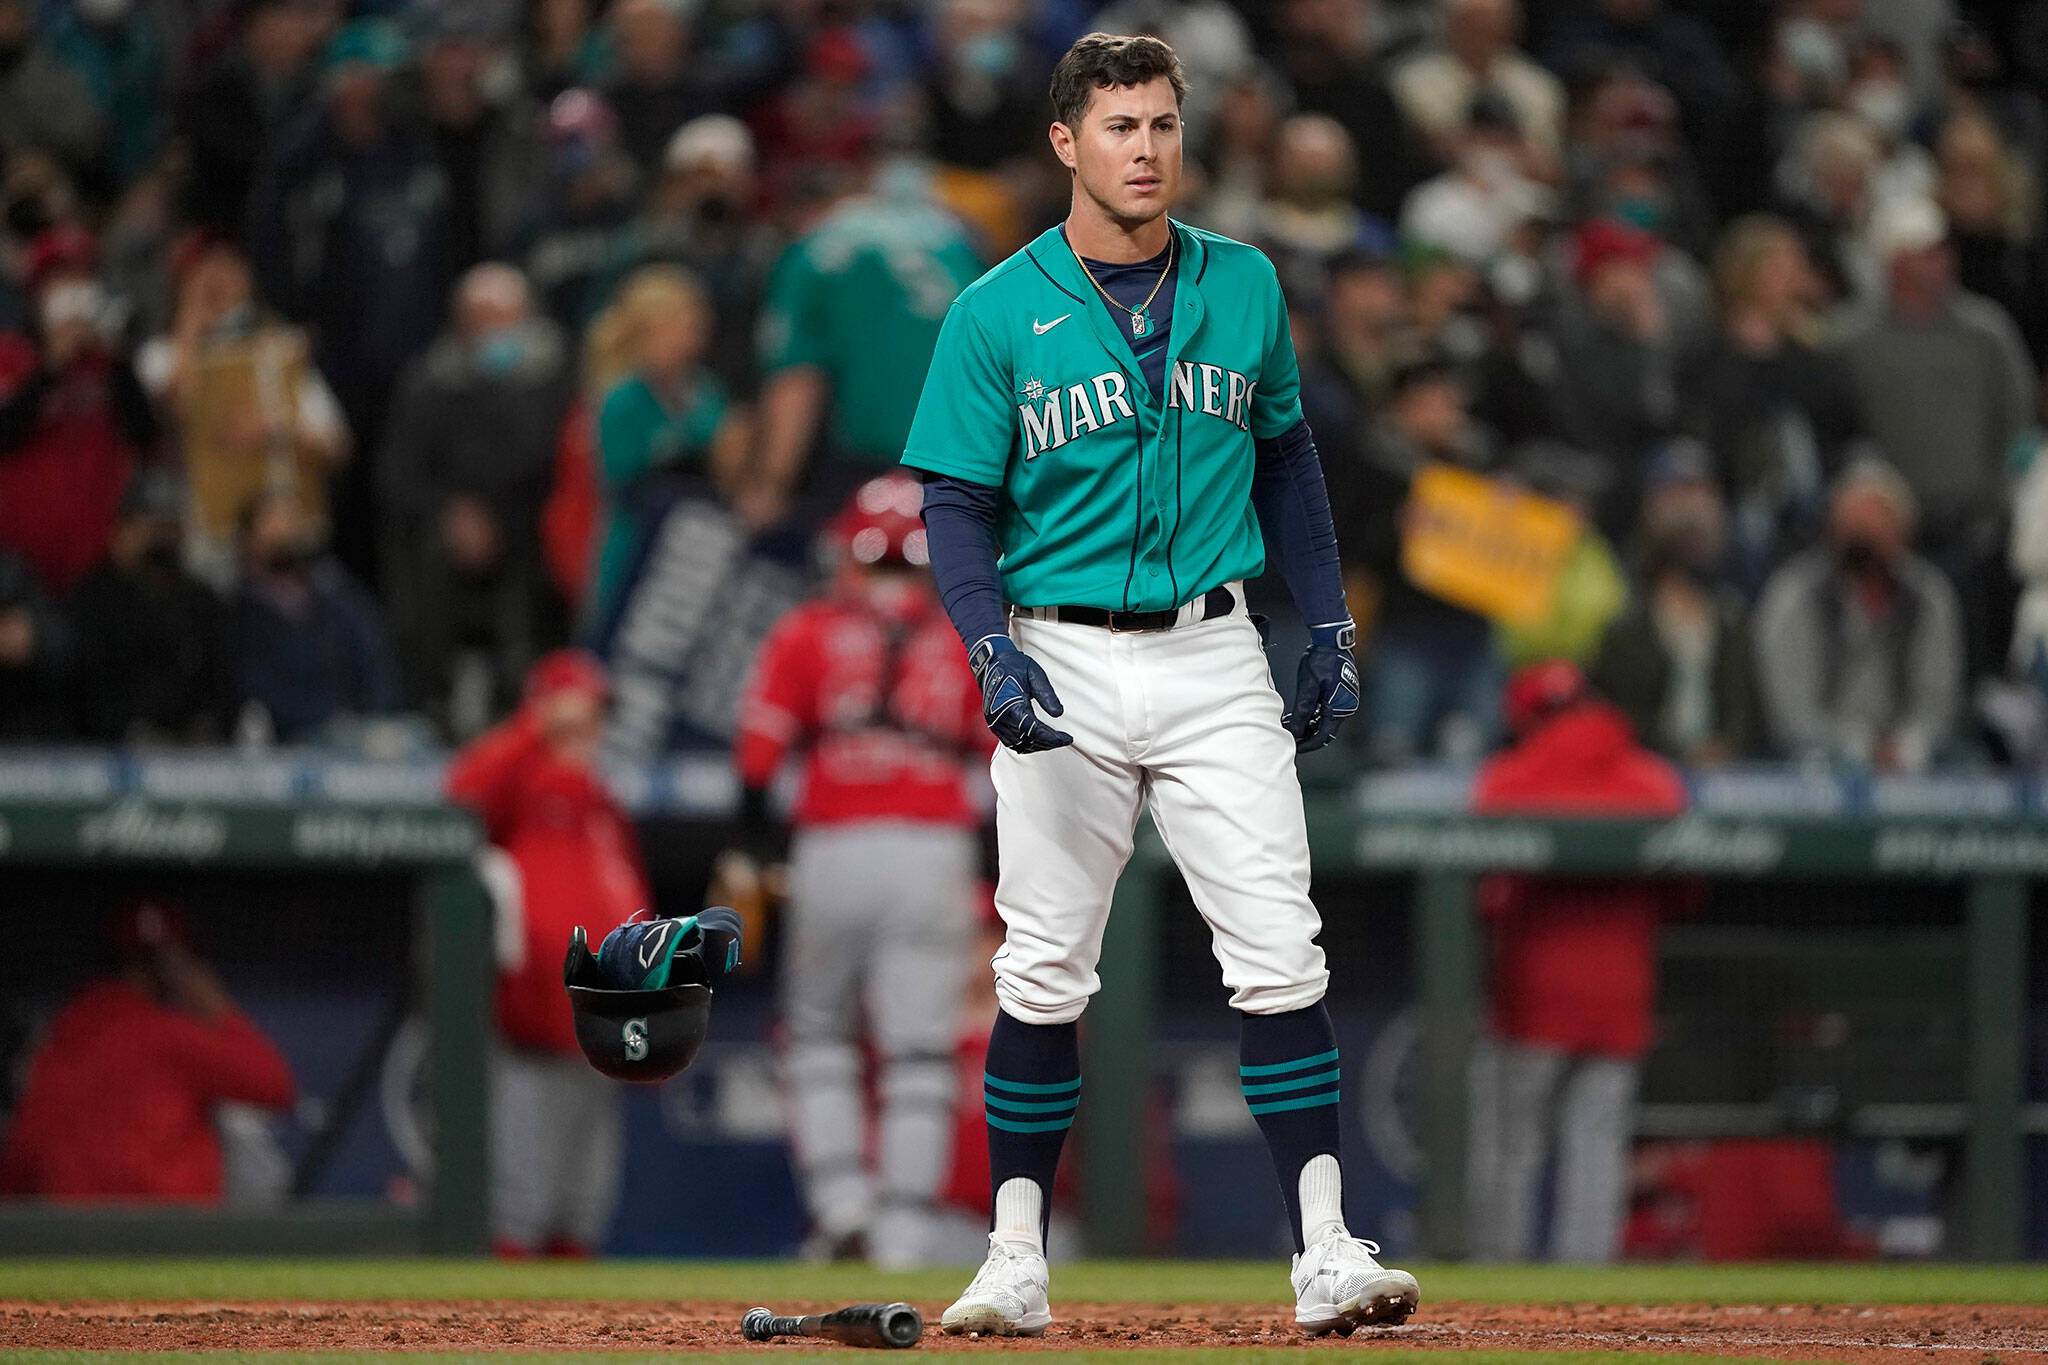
(665, 429)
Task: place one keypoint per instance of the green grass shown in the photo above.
(781, 1282)
(1210, 1357)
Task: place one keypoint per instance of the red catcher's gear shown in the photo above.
(1575, 958)
(119, 1101)
(575, 851)
(885, 707)
(882, 522)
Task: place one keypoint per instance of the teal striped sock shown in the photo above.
(1031, 1089)
(1289, 1073)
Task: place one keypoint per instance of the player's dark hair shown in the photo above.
(1111, 61)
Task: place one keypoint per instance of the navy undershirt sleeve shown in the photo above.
(960, 533)
(1294, 513)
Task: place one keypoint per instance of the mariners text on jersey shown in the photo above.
(1050, 416)
(1114, 496)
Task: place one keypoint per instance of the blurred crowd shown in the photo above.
(353, 352)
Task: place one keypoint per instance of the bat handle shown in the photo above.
(761, 1325)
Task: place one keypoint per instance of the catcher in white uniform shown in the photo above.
(1111, 436)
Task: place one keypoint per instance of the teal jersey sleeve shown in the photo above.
(792, 329)
(627, 426)
(1276, 402)
(965, 418)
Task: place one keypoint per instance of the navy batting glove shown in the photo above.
(1011, 681)
(1325, 687)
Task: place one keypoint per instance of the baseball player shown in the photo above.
(868, 684)
(1110, 429)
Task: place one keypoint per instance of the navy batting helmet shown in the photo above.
(642, 1001)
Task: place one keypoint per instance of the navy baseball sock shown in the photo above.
(1031, 1087)
(1288, 1068)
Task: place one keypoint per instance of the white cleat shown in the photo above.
(1006, 1297)
(1339, 1287)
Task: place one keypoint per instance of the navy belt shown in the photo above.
(1213, 603)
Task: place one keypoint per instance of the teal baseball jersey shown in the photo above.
(1114, 496)
(862, 298)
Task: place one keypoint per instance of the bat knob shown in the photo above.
(754, 1326)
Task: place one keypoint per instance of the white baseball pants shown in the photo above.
(1187, 721)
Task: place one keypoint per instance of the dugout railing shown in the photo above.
(1996, 857)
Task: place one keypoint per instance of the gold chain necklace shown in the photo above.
(1140, 324)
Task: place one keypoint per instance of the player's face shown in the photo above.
(1126, 154)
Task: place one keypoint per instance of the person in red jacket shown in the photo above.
(1573, 979)
(869, 684)
(569, 856)
(120, 1098)
(73, 418)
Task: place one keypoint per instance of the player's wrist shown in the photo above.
(987, 650)
(1334, 635)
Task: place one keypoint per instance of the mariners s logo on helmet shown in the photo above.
(634, 1035)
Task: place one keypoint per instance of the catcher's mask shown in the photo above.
(642, 1002)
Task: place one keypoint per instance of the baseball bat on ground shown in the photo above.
(887, 1325)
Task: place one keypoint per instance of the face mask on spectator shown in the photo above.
(290, 559)
(1493, 166)
(1860, 558)
(575, 156)
(27, 217)
(502, 352)
(238, 321)
(1811, 49)
(163, 553)
(903, 180)
(1687, 544)
(73, 301)
(1885, 106)
(990, 54)
(717, 209)
(1644, 211)
(1515, 280)
(1466, 335)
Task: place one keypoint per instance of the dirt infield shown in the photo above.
(1816, 1332)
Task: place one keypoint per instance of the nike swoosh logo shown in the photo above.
(650, 947)
(1041, 328)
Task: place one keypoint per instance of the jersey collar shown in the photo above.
(1056, 260)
